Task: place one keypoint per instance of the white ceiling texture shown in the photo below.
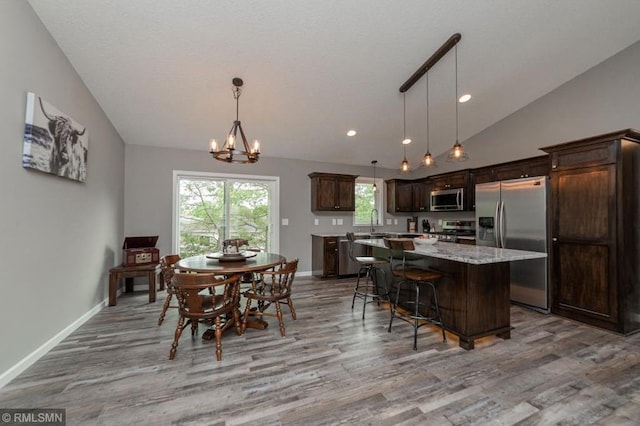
(162, 69)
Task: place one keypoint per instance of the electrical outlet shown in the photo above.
(285, 222)
(439, 221)
(395, 221)
(340, 222)
(316, 222)
(388, 221)
(333, 222)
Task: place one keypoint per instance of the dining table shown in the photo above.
(243, 263)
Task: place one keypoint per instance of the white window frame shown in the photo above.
(379, 200)
(275, 207)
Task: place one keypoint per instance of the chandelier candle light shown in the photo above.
(229, 152)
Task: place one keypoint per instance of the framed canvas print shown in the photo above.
(54, 142)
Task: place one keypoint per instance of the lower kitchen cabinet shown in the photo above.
(324, 256)
(595, 250)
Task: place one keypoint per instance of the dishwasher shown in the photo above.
(346, 266)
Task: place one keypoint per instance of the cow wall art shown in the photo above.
(53, 142)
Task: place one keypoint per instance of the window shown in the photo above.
(368, 200)
(209, 208)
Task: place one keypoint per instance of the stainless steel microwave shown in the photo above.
(447, 200)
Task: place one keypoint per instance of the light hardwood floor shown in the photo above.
(332, 368)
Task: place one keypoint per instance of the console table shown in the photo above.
(150, 271)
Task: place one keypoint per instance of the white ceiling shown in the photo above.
(162, 69)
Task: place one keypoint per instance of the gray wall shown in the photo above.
(148, 195)
(601, 100)
(59, 237)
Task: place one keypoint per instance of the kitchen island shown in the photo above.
(474, 292)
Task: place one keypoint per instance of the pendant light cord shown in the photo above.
(456, 51)
(427, 78)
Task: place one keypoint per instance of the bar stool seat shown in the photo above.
(369, 290)
(417, 278)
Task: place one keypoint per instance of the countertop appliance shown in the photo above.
(457, 231)
(447, 200)
(513, 214)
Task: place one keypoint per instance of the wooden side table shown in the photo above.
(150, 271)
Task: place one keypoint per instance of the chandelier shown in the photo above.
(229, 152)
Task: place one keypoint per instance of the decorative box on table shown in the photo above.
(140, 251)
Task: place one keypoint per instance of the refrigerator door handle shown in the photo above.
(496, 227)
(502, 225)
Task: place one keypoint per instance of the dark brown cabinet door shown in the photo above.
(330, 257)
(536, 166)
(420, 196)
(332, 192)
(326, 193)
(346, 194)
(584, 249)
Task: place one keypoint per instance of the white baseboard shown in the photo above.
(27, 361)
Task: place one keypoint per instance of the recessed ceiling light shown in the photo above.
(407, 141)
(351, 133)
(464, 98)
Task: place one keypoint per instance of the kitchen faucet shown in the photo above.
(374, 210)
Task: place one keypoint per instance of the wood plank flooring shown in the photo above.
(332, 368)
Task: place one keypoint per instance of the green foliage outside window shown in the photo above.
(365, 203)
(206, 219)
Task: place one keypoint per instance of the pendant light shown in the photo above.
(404, 166)
(457, 152)
(428, 159)
(375, 187)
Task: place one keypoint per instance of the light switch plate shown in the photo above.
(339, 221)
(388, 221)
(285, 222)
(395, 221)
(333, 222)
(316, 222)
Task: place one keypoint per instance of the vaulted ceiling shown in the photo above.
(162, 69)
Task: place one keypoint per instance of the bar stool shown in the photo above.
(370, 266)
(417, 278)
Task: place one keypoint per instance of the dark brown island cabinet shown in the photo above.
(595, 230)
(333, 192)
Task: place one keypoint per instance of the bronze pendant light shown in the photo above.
(375, 187)
(457, 152)
(229, 153)
(404, 166)
(428, 159)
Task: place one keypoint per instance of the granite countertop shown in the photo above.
(476, 255)
(366, 234)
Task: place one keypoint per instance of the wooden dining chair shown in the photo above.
(168, 268)
(219, 307)
(272, 287)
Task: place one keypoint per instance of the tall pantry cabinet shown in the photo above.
(595, 230)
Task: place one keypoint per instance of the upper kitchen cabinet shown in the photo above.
(530, 167)
(451, 180)
(333, 192)
(407, 196)
(455, 180)
(595, 249)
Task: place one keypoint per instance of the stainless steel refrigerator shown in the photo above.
(513, 214)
